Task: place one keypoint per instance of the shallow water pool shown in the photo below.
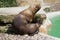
(55, 28)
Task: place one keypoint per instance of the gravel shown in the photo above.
(5, 36)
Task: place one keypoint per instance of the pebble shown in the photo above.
(4, 36)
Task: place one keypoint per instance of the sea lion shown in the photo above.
(29, 29)
(43, 21)
(22, 21)
(39, 18)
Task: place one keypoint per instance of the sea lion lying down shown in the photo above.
(22, 21)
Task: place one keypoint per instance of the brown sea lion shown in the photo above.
(22, 21)
(39, 18)
(45, 24)
(29, 29)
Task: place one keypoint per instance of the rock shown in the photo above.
(5, 22)
(6, 18)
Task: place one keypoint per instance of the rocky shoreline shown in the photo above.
(4, 36)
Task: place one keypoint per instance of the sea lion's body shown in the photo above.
(23, 20)
(29, 29)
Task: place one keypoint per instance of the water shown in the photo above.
(55, 28)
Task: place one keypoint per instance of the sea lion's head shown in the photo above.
(35, 8)
(39, 18)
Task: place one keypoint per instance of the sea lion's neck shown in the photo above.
(34, 10)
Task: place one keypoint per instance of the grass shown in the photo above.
(8, 3)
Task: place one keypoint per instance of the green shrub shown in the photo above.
(8, 3)
(48, 9)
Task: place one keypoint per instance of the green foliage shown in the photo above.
(8, 3)
(47, 9)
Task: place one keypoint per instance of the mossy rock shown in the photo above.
(6, 18)
(5, 22)
(3, 29)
